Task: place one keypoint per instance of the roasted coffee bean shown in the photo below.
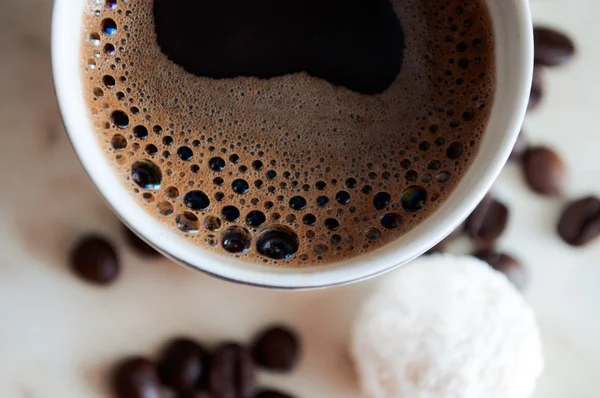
(136, 378)
(519, 148)
(139, 245)
(95, 260)
(487, 222)
(506, 264)
(231, 372)
(537, 89)
(277, 349)
(271, 394)
(183, 365)
(544, 171)
(552, 48)
(580, 221)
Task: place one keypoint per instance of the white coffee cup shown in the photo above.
(514, 58)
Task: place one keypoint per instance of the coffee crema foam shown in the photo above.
(290, 171)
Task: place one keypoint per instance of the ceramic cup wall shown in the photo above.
(514, 58)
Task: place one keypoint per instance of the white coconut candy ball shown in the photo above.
(447, 327)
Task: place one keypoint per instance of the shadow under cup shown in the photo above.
(513, 33)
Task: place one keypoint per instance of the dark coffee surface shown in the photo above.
(271, 38)
(291, 163)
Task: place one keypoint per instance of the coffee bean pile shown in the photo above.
(545, 173)
(185, 366)
(484, 227)
(188, 369)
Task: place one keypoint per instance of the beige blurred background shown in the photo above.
(58, 336)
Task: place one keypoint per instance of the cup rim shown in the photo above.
(429, 232)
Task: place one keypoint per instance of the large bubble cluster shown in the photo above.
(290, 171)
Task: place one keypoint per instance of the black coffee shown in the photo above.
(357, 44)
(291, 133)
